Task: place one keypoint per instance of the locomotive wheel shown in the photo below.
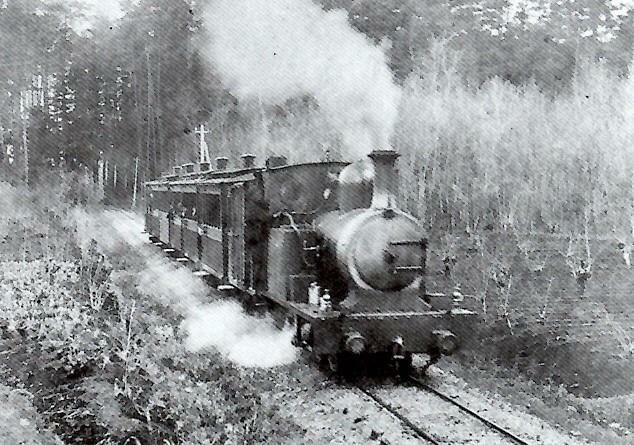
(383, 365)
(336, 364)
(344, 365)
(378, 365)
(329, 363)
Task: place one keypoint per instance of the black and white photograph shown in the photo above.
(295, 222)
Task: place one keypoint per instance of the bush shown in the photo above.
(106, 359)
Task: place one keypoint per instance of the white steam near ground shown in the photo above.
(275, 50)
(248, 341)
(220, 325)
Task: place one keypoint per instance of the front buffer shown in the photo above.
(376, 342)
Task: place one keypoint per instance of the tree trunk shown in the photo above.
(150, 120)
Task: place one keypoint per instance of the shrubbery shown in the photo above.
(106, 362)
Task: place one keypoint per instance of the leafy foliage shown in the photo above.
(513, 158)
(107, 359)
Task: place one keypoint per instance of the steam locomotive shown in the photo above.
(323, 242)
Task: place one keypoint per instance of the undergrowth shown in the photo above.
(104, 362)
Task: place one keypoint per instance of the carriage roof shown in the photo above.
(196, 182)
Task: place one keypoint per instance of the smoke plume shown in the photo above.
(246, 340)
(274, 50)
(221, 326)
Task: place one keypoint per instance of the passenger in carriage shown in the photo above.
(189, 212)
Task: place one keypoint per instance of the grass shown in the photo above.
(103, 360)
(546, 346)
(19, 420)
(598, 420)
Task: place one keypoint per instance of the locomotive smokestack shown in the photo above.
(385, 178)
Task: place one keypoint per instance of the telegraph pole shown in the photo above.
(26, 152)
(24, 115)
(136, 180)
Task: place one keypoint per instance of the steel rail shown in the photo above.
(469, 411)
(386, 406)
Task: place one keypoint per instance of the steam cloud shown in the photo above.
(274, 50)
(243, 339)
(220, 325)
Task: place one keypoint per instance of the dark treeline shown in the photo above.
(129, 95)
(520, 51)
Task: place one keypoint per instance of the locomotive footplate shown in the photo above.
(307, 311)
(332, 332)
(416, 332)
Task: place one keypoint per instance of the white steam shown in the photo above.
(221, 325)
(171, 285)
(274, 50)
(245, 340)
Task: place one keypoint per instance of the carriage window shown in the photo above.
(189, 205)
(158, 200)
(212, 211)
(155, 200)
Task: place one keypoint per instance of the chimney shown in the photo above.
(385, 178)
(177, 170)
(187, 168)
(222, 163)
(248, 161)
(204, 167)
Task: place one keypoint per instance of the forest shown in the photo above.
(514, 122)
(514, 115)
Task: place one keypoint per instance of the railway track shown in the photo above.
(432, 416)
(437, 418)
